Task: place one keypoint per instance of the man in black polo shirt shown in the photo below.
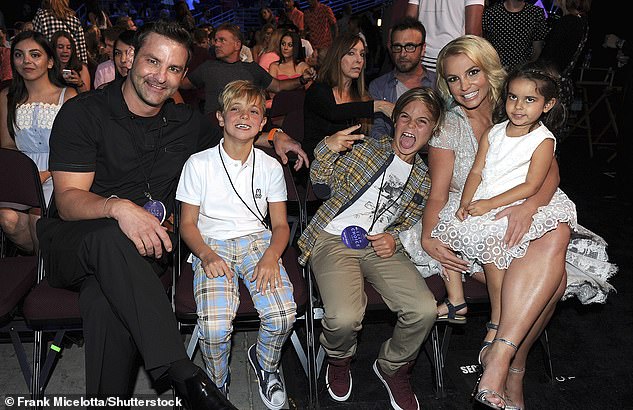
(115, 152)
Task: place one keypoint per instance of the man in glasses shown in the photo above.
(407, 46)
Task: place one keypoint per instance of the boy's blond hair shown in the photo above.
(242, 90)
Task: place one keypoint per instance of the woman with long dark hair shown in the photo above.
(291, 62)
(74, 72)
(339, 97)
(27, 111)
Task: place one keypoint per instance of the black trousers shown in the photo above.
(123, 303)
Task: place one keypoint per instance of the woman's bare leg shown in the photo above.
(514, 381)
(529, 286)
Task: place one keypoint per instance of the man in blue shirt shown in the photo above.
(407, 45)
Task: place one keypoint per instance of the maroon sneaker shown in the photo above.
(399, 387)
(339, 378)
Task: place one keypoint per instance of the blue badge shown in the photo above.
(355, 237)
(156, 208)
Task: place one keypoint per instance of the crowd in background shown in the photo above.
(335, 59)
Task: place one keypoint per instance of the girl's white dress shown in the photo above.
(481, 239)
(507, 163)
(34, 122)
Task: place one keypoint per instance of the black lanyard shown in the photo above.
(137, 149)
(261, 218)
(382, 180)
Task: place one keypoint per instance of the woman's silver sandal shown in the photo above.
(481, 395)
(486, 343)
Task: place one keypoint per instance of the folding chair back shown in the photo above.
(20, 186)
(20, 189)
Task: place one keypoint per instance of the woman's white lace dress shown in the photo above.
(588, 267)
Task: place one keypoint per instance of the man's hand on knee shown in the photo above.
(143, 229)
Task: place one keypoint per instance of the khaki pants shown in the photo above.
(339, 272)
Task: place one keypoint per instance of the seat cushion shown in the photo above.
(46, 305)
(17, 275)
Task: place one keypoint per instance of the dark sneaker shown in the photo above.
(271, 386)
(339, 378)
(399, 387)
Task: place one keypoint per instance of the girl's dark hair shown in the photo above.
(547, 81)
(297, 49)
(18, 93)
(127, 37)
(74, 63)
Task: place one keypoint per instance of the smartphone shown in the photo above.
(66, 73)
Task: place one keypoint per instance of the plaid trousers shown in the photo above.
(217, 300)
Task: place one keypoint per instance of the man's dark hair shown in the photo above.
(409, 23)
(169, 29)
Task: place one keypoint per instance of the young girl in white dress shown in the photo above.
(511, 164)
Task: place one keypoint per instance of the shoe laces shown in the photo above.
(274, 385)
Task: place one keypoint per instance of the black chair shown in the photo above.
(45, 310)
(20, 189)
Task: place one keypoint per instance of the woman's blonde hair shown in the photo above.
(60, 8)
(273, 44)
(331, 72)
(483, 54)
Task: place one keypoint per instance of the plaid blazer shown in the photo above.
(349, 175)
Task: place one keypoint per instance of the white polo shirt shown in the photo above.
(205, 183)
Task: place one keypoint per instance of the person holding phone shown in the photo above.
(74, 72)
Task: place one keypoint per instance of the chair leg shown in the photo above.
(437, 353)
(51, 359)
(193, 342)
(313, 361)
(303, 358)
(37, 358)
(20, 353)
(547, 355)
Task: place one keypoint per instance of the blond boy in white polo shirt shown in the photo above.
(226, 192)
